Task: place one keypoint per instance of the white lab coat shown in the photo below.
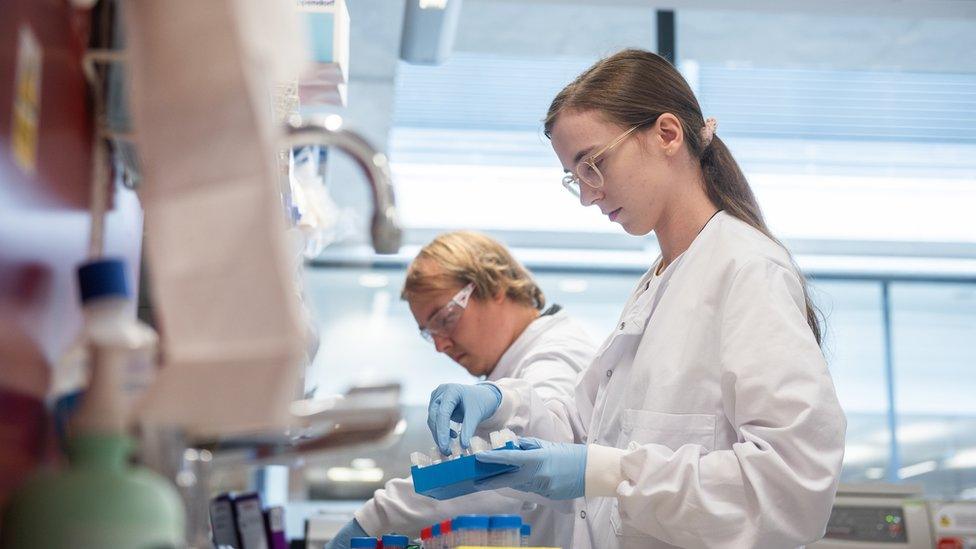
(710, 415)
(548, 356)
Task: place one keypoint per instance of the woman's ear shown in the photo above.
(668, 133)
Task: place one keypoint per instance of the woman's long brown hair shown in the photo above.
(633, 88)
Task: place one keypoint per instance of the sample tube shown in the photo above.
(447, 535)
(471, 530)
(526, 532)
(394, 541)
(505, 530)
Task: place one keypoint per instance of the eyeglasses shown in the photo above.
(586, 170)
(445, 320)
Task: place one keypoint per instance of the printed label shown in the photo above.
(27, 102)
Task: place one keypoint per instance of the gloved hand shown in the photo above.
(352, 529)
(468, 405)
(554, 470)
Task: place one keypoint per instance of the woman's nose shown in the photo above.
(589, 195)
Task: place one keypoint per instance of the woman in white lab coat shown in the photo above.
(477, 304)
(708, 417)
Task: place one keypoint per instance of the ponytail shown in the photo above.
(729, 190)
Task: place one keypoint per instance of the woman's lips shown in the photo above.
(613, 215)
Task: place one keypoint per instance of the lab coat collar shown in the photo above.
(523, 343)
(702, 235)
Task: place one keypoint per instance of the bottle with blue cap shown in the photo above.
(505, 530)
(471, 530)
(99, 499)
(395, 541)
(526, 532)
(108, 315)
(364, 543)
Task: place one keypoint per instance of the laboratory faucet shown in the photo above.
(384, 227)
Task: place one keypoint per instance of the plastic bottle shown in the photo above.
(526, 532)
(447, 535)
(395, 541)
(364, 543)
(471, 530)
(504, 530)
(106, 311)
(98, 499)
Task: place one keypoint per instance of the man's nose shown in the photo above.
(442, 343)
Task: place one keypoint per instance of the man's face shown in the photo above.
(469, 335)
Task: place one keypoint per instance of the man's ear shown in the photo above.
(500, 295)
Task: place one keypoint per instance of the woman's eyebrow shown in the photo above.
(579, 156)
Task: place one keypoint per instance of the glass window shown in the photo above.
(934, 345)
(821, 124)
(854, 347)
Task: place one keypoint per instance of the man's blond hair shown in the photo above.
(457, 258)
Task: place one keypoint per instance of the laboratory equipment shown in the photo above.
(365, 543)
(456, 474)
(447, 534)
(274, 524)
(395, 541)
(877, 516)
(526, 531)
(471, 530)
(953, 524)
(504, 530)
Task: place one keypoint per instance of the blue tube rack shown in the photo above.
(456, 477)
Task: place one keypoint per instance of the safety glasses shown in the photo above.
(445, 320)
(587, 171)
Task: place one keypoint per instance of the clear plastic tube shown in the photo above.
(471, 530)
(505, 531)
(526, 531)
(447, 535)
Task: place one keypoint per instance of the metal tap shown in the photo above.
(384, 227)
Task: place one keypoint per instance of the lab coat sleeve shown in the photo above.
(526, 413)
(550, 377)
(775, 487)
(398, 508)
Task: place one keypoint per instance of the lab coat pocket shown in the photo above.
(672, 430)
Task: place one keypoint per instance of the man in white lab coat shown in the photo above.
(479, 306)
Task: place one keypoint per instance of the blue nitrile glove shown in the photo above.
(468, 405)
(352, 529)
(554, 470)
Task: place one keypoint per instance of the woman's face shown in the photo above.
(636, 172)
(475, 341)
